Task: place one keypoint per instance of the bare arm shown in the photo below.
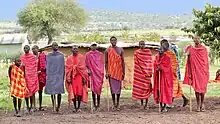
(9, 72)
(106, 61)
(123, 62)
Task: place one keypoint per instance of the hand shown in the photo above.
(39, 72)
(150, 75)
(84, 82)
(89, 73)
(123, 76)
(158, 68)
(190, 76)
(69, 81)
(107, 75)
(22, 65)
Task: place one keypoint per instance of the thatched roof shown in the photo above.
(151, 45)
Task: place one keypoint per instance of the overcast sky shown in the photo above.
(10, 8)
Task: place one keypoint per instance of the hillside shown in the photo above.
(103, 20)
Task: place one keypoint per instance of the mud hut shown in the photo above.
(128, 48)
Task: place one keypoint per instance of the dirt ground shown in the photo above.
(130, 113)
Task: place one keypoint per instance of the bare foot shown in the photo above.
(202, 108)
(79, 110)
(41, 109)
(98, 109)
(113, 108)
(146, 108)
(198, 109)
(18, 114)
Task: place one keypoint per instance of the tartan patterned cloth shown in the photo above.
(17, 82)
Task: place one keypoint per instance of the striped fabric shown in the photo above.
(177, 89)
(115, 64)
(142, 87)
(17, 82)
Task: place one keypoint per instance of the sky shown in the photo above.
(10, 8)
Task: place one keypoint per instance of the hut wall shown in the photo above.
(129, 61)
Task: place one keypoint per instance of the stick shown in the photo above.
(23, 106)
(54, 100)
(107, 93)
(190, 99)
(90, 80)
(9, 95)
(159, 91)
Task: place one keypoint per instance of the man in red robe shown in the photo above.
(143, 67)
(29, 61)
(95, 65)
(77, 78)
(115, 70)
(41, 58)
(197, 71)
(163, 80)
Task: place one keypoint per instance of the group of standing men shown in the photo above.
(31, 72)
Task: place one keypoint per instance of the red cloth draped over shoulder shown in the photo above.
(42, 67)
(143, 66)
(197, 68)
(177, 89)
(31, 76)
(165, 86)
(115, 64)
(71, 70)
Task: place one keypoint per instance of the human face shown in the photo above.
(93, 47)
(161, 51)
(35, 50)
(113, 41)
(142, 44)
(17, 62)
(55, 46)
(26, 49)
(165, 46)
(196, 40)
(75, 50)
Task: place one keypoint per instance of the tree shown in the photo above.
(207, 25)
(49, 18)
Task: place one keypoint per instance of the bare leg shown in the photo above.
(79, 102)
(27, 104)
(59, 96)
(198, 101)
(40, 100)
(94, 99)
(118, 99)
(202, 108)
(15, 105)
(98, 101)
(19, 104)
(145, 106)
(113, 100)
(53, 102)
(74, 103)
(185, 101)
(32, 100)
(19, 107)
(142, 102)
(165, 108)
